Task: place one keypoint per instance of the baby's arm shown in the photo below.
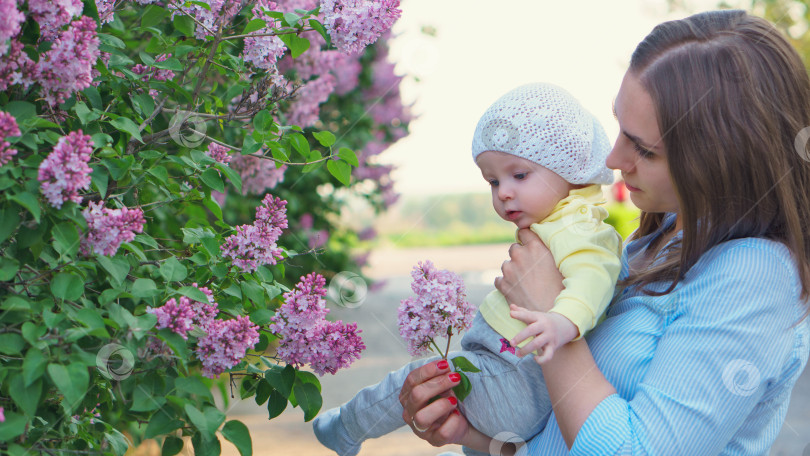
(549, 329)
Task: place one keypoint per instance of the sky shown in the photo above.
(482, 49)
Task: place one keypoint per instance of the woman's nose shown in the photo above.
(619, 158)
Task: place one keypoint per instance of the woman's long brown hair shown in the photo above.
(731, 96)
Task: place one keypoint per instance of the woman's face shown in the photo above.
(639, 150)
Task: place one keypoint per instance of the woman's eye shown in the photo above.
(642, 152)
(520, 176)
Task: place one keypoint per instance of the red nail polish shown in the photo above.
(452, 400)
(455, 377)
(456, 412)
(442, 364)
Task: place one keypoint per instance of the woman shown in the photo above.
(707, 333)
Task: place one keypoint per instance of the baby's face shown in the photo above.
(523, 192)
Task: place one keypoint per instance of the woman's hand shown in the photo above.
(437, 421)
(530, 278)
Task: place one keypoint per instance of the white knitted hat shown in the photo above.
(545, 124)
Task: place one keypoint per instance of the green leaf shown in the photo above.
(300, 144)
(144, 103)
(172, 270)
(84, 113)
(28, 201)
(9, 221)
(144, 288)
(263, 390)
(13, 426)
(250, 146)
(281, 379)
(296, 44)
(67, 286)
(111, 40)
(252, 26)
(341, 170)
(193, 385)
(326, 138)
(232, 176)
(309, 398)
(66, 238)
(117, 267)
(90, 318)
(238, 434)
(8, 268)
(169, 64)
(254, 292)
(162, 423)
(261, 316)
(291, 19)
(72, 381)
(11, 343)
(21, 110)
(100, 178)
(184, 25)
(144, 401)
(462, 390)
(193, 293)
(171, 446)
(33, 366)
(127, 126)
(197, 419)
(206, 445)
(210, 177)
(278, 151)
(276, 404)
(153, 15)
(159, 172)
(320, 29)
(349, 156)
(118, 442)
(464, 365)
(26, 396)
(262, 121)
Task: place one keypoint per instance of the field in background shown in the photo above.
(463, 219)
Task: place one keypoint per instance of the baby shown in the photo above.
(543, 156)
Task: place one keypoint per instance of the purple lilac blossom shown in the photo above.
(255, 245)
(10, 20)
(106, 10)
(264, 51)
(183, 315)
(65, 171)
(219, 13)
(53, 14)
(305, 107)
(258, 175)
(150, 72)
(2, 415)
(354, 24)
(225, 344)
(218, 152)
(17, 68)
(306, 337)
(67, 66)
(108, 228)
(440, 306)
(8, 127)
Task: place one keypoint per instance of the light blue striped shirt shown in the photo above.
(705, 370)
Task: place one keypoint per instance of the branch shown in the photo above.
(251, 35)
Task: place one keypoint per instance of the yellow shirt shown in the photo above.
(587, 252)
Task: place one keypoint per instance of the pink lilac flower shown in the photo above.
(383, 97)
(67, 66)
(8, 127)
(440, 306)
(150, 72)
(17, 68)
(354, 24)
(219, 153)
(108, 228)
(258, 175)
(306, 337)
(255, 245)
(106, 10)
(225, 344)
(2, 415)
(183, 315)
(305, 108)
(53, 14)
(65, 171)
(264, 51)
(10, 20)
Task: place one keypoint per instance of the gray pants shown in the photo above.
(508, 395)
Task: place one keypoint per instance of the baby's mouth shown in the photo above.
(512, 215)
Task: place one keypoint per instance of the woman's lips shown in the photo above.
(631, 188)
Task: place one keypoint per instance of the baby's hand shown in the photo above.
(549, 329)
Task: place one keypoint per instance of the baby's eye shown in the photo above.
(493, 183)
(520, 176)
